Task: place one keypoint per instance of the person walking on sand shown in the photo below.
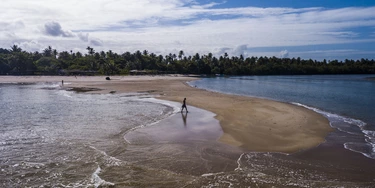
(184, 106)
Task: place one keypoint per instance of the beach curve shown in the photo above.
(251, 123)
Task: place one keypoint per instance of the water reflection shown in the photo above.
(184, 117)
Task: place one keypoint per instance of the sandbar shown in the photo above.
(253, 124)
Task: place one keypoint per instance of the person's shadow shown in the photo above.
(184, 117)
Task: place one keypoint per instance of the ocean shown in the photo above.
(348, 101)
(51, 137)
(57, 138)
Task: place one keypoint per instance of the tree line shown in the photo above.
(15, 61)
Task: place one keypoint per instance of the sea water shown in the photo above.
(348, 101)
(57, 138)
(50, 137)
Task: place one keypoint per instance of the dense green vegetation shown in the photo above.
(15, 61)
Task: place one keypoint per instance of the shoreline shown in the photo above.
(254, 124)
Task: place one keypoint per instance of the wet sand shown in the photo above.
(337, 162)
(250, 123)
(184, 143)
(187, 146)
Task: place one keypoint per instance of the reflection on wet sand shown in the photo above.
(189, 149)
(184, 117)
(192, 152)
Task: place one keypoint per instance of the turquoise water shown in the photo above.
(348, 101)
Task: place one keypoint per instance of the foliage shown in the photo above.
(15, 61)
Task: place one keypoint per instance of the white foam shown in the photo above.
(110, 161)
(238, 163)
(174, 105)
(51, 85)
(348, 120)
(370, 155)
(362, 125)
(369, 133)
(66, 93)
(212, 174)
(97, 181)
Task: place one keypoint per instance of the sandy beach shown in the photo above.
(250, 123)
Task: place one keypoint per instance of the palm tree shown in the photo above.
(79, 54)
(180, 54)
(210, 56)
(90, 50)
(138, 54)
(110, 54)
(15, 48)
(145, 52)
(48, 51)
(64, 55)
(54, 52)
(102, 55)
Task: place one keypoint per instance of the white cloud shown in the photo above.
(96, 42)
(54, 29)
(31, 45)
(284, 54)
(129, 25)
(83, 37)
(222, 51)
(16, 25)
(240, 50)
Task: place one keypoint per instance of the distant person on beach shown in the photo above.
(62, 82)
(184, 106)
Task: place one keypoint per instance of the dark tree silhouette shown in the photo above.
(17, 61)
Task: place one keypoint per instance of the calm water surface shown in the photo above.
(348, 101)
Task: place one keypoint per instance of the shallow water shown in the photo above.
(347, 101)
(56, 138)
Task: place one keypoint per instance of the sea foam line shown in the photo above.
(370, 155)
(351, 121)
(97, 181)
(112, 160)
(370, 135)
(176, 109)
(238, 162)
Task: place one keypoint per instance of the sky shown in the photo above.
(316, 29)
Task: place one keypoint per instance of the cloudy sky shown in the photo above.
(318, 29)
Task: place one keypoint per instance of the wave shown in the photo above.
(130, 97)
(99, 182)
(173, 105)
(154, 121)
(365, 149)
(108, 160)
(335, 117)
(49, 85)
(66, 93)
(351, 126)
